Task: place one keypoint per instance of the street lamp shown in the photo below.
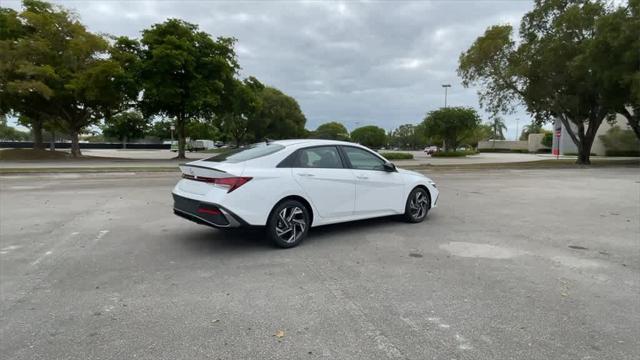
(446, 87)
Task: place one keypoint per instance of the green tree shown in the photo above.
(453, 125)
(126, 126)
(481, 133)
(408, 136)
(279, 116)
(23, 91)
(10, 133)
(533, 128)
(371, 136)
(203, 129)
(614, 59)
(547, 139)
(241, 113)
(160, 129)
(498, 127)
(56, 70)
(184, 72)
(548, 70)
(332, 130)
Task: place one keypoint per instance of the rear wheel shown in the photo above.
(417, 206)
(288, 223)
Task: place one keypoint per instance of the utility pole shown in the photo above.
(446, 87)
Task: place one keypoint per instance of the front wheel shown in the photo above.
(288, 224)
(417, 206)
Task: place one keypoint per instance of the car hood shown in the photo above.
(409, 172)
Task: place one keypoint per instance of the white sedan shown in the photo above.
(289, 186)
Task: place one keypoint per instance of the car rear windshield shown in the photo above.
(246, 153)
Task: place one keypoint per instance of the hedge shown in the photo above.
(397, 155)
(454, 153)
(521, 151)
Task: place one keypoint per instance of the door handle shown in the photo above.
(362, 177)
(305, 174)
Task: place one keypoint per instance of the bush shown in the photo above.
(547, 140)
(634, 153)
(618, 142)
(522, 151)
(397, 155)
(454, 153)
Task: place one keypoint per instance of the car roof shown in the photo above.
(311, 142)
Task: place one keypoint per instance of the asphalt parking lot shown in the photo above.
(529, 264)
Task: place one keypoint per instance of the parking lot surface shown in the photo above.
(532, 264)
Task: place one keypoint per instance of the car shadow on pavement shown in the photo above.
(349, 229)
(211, 240)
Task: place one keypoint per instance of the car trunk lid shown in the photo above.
(204, 174)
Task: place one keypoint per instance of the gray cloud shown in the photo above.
(373, 62)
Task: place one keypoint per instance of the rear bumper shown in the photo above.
(206, 213)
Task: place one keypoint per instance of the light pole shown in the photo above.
(517, 120)
(446, 87)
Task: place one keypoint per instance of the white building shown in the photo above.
(566, 146)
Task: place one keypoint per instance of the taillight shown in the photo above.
(231, 183)
(213, 211)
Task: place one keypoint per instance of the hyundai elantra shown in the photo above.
(289, 186)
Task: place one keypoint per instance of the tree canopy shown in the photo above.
(183, 73)
(332, 130)
(55, 70)
(408, 136)
(549, 69)
(126, 126)
(371, 136)
(452, 124)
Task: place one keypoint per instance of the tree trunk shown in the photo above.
(633, 119)
(75, 145)
(181, 137)
(124, 142)
(36, 129)
(584, 154)
(52, 144)
(585, 138)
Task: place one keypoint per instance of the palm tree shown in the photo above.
(498, 128)
(532, 128)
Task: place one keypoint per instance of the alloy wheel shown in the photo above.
(291, 224)
(419, 205)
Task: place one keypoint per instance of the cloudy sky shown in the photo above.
(371, 62)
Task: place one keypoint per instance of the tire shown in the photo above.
(288, 223)
(418, 205)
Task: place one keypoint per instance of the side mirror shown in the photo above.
(389, 167)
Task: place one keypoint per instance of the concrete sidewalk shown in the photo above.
(154, 161)
(162, 158)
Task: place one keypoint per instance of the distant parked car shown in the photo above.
(430, 150)
(175, 146)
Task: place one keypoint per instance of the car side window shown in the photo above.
(362, 159)
(326, 157)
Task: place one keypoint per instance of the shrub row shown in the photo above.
(397, 155)
(504, 151)
(454, 153)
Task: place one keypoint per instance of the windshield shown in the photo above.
(246, 153)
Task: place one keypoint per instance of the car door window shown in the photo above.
(362, 159)
(326, 157)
